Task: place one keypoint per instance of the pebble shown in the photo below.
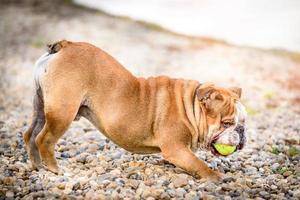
(76, 186)
(115, 172)
(192, 195)
(9, 181)
(234, 193)
(264, 194)
(296, 194)
(93, 148)
(82, 158)
(116, 155)
(165, 195)
(9, 194)
(228, 179)
(180, 181)
(180, 192)
(100, 170)
(61, 186)
(171, 192)
(275, 166)
(65, 155)
(287, 173)
(146, 193)
(132, 183)
(90, 194)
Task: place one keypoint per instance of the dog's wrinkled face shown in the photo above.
(225, 116)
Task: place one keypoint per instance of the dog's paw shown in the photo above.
(54, 169)
(36, 166)
(214, 176)
(35, 163)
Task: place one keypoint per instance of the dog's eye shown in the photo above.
(227, 124)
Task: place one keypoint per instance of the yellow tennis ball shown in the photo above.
(225, 149)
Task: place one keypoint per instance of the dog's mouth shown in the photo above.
(214, 141)
(211, 145)
(234, 137)
(214, 151)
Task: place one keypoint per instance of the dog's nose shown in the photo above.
(241, 131)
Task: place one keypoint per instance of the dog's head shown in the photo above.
(225, 116)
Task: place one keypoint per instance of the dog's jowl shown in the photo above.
(157, 114)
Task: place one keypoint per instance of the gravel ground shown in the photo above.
(94, 167)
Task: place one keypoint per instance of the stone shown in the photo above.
(113, 185)
(148, 171)
(115, 172)
(132, 183)
(273, 187)
(76, 186)
(250, 170)
(180, 181)
(9, 181)
(192, 195)
(136, 176)
(171, 193)
(296, 194)
(100, 170)
(9, 194)
(157, 192)
(264, 194)
(90, 194)
(116, 155)
(81, 158)
(165, 195)
(165, 183)
(234, 193)
(146, 193)
(228, 179)
(287, 173)
(275, 166)
(180, 192)
(140, 190)
(65, 155)
(93, 148)
(61, 186)
(115, 195)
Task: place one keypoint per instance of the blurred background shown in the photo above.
(259, 23)
(252, 44)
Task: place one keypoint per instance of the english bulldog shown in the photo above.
(157, 114)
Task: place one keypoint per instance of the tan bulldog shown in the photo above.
(158, 114)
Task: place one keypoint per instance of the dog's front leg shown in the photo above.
(183, 157)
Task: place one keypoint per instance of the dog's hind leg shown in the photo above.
(38, 121)
(60, 110)
(27, 134)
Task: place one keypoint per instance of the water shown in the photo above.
(259, 23)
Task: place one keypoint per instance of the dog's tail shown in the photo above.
(41, 66)
(57, 46)
(42, 63)
(40, 69)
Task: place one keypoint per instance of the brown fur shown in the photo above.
(151, 115)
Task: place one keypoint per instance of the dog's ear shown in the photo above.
(204, 91)
(209, 96)
(237, 91)
(208, 92)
